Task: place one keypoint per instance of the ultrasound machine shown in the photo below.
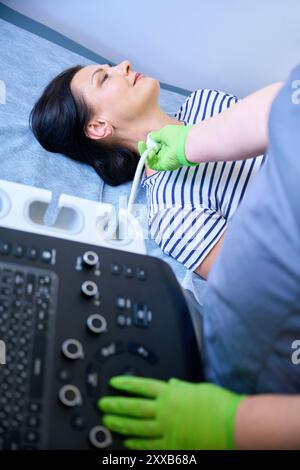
(77, 307)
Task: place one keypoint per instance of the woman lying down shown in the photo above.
(98, 114)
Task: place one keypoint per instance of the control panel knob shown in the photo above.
(72, 349)
(89, 288)
(96, 323)
(90, 259)
(100, 437)
(70, 395)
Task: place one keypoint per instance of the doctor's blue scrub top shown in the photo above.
(252, 302)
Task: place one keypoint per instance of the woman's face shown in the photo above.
(112, 94)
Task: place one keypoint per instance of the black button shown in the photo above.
(5, 248)
(17, 304)
(34, 407)
(19, 279)
(19, 251)
(78, 422)
(40, 327)
(33, 422)
(7, 278)
(92, 379)
(42, 315)
(3, 308)
(141, 274)
(32, 254)
(19, 292)
(31, 436)
(109, 350)
(121, 320)
(46, 256)
(30, 287)
(141, 315)
(64, 375)
(38, 356)
(142, 352)
(115, 269)
(128, 271)
(7, 291)
(44, 280)
(121, 303)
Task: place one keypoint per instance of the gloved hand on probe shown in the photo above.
(171, 415)
(171, 154)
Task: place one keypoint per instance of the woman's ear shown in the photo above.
(98, 129)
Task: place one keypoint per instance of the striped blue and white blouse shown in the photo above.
(188, 209)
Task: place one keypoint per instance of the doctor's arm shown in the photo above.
(268, 422)
(182, 415)
(237, 133)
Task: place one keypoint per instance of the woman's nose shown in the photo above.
(125, 67)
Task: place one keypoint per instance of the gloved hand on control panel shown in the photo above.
(171, 415)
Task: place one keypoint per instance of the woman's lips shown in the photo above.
(137, 77)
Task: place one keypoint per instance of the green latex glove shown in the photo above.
(171, 154)
(172, 415)
(142, 147)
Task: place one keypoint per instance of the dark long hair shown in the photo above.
(58, 121)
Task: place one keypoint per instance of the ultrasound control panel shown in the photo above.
(72, 316)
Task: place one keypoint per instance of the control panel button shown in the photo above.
(64, 375)
(128, 271)
(44, 280)
(141, 274)
(34, 407)
(100, 437)
(141, 315)
(96, 323)
(92, 378)
(115, 269)
(121, 303)
(30, 287)
(142, 352)
(90, 259)
(46, 256)
(33, 422)
(70, 395)
(19, 251)
(78, 422)
(31, 436)
(72, 349)
(5, 248)
(89, 289)
(109, 350)
(121, 320)
(19, 279)
(32, 254)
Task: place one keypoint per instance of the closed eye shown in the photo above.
(105, 77)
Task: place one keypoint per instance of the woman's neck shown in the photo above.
(137, 131)
(140, 129)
